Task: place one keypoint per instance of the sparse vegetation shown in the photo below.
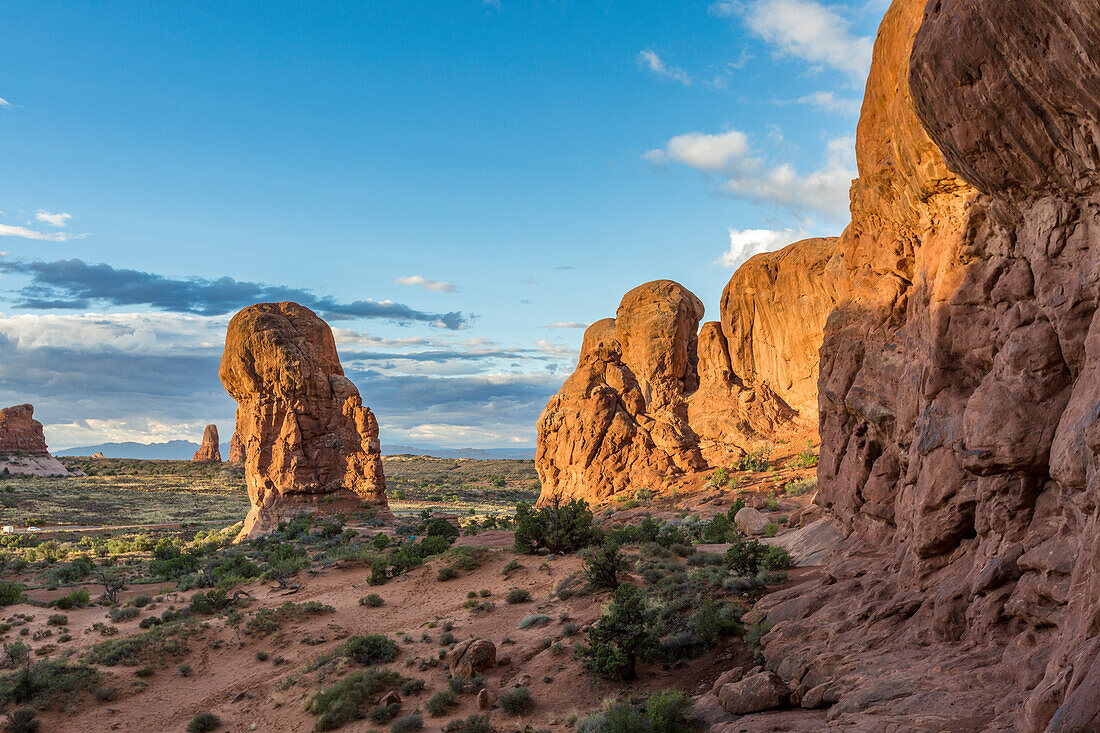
(370, 650)
(204, 722)
(517, 595)
(516, 702)
(350, 698)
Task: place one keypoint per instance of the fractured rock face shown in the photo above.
(236, 449)
(959, 397)
(209, 452)
(23, 448)
(311, 445)
(654, 396)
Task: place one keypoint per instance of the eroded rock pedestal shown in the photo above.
(960, 386)
(310, 443)
(23, 448)
(655, 396)
(209, 451)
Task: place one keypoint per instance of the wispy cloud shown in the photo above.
(805, 30)
(827, 102)
(648, 59)
(744, 243)
(59, 220)
(739, 170)
(77, 285)
(8, 230)
(4, 102)
(435, 286)
(566, 324)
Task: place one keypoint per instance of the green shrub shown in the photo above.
(9, 592)
(411, 687)
(718, 530)
(510, 567)
(123, 613)
(516, 702)
(446, 573)
(803, 486)
(350, 698)
(557, 527)
(57, 619)
(620, 636)
(23, 720)
(517, 595)
(771, 529)
(806, 458)
(151, 646)
(538, 619)
(370, 650)
(472, 724)
(384, 713)
(442, 528)
(603, 565)
(441, 702)
(757, 460)
(407, 723)
(204, 722)
(373, 601)
(46, 683)
(77, 599)
(667, 711)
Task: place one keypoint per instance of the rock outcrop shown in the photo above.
(655, 396)
(99, 455)
(23, 448)
(209, 451)
(236, 449)
(311, 445)
(960, 386)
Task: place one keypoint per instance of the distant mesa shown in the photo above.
(654, 396)
(23, 450)
(208, 452)
(98, 454)
(310, 444)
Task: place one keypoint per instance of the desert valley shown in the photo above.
(864, 497)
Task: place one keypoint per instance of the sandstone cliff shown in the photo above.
(311, 445)
(209, 451)
(654, 396)
(23, 448)
(236, 449)
(959, 395)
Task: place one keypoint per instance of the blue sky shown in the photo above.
(458, 186)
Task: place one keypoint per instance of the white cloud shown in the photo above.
(744, 243)
(134, 333)
(436, 286)
(806, 30)
(61, 436)
(566, 324)
(4, 102)
(743, 172)
(7, 230)
(58, 220)
(829, 102)
(723, 8)
(648, 59)
(704, 152)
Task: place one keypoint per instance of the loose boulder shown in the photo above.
(310, 443)
(473, 656)
(754, 694)
(750, 521)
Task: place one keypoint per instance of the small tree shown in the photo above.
(625, 632)
(112, 583)
(557, 527)
(603, 565)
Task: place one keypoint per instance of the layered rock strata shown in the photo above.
(23, 448)
(209, 451)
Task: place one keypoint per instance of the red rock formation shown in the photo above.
(960, 386)
(98, 455)
(654, 397)
(236, 449)
(23, 448)
(311, 444)
(209, 451)
(20, 432)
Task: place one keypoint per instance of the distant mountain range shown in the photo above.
(182, 450)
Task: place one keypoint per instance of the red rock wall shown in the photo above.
(958, 387)
(20, 432)
(209, 451)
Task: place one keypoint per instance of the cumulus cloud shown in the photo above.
(9, 230)
(648, 59)
(145, 333)
(704, 152)
(435, 286)
(806, 30)
(744, 243)
(77, 285)
(739, 170)
(59, 220)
